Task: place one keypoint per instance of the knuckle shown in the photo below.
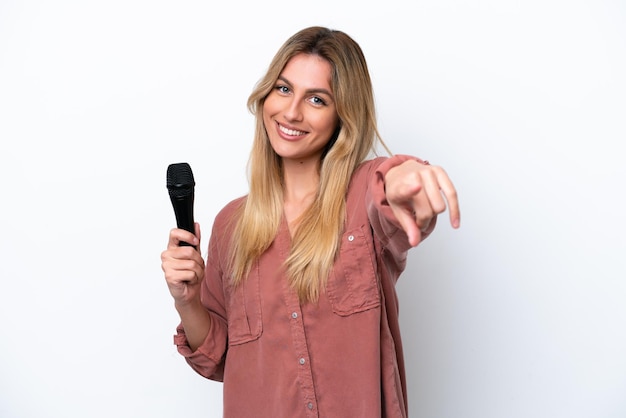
(423, 217)
(439, 207)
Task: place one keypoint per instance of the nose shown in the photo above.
(293, 111)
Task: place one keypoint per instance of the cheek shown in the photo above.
(267, 117)
(269, 107)
(327, 124)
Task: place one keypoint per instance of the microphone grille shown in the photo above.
(180, 181)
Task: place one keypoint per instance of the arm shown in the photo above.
(184, 271)
(202, 333)
(393, 185)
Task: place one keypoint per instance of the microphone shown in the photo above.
(180, 185)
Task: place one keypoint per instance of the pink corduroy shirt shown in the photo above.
(339, 357)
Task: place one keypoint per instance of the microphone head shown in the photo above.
(180, 181)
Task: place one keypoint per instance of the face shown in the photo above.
(299, 114)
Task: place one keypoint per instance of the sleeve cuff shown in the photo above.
(206, 359)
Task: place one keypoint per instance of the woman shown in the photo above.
(295, 309)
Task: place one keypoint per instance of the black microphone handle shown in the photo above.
(183, 209)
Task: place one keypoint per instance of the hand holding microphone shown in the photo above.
(184, 270)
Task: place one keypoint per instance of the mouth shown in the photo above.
(290, 132)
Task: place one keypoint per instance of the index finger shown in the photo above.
(453, 201)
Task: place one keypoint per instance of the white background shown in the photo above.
(520, 313)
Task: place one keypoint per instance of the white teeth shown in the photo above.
(290, 131)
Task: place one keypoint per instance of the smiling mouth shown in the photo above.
(290, 132)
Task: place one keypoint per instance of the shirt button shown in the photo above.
(351, 238)
(302, 361)
(294, 315)
(309, 405)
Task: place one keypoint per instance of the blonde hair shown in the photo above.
(316, 240)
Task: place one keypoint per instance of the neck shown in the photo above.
(301, 179)
(301, 183)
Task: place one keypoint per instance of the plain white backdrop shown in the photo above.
(520, 313)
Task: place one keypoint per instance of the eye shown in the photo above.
(282, 89)
(318, 101)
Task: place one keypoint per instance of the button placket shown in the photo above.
(305, 373)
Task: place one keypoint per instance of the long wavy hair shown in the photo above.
(316, 240)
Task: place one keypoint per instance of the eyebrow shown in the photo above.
(309, 91)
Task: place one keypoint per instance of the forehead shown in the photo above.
(308, 71)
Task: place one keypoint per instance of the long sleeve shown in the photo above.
(208, 359)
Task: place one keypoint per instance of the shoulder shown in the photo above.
(226, 215)
(371, 164)
(222, 230)
(367, 168)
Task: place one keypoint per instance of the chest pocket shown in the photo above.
(352, 286)
(245, 320)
